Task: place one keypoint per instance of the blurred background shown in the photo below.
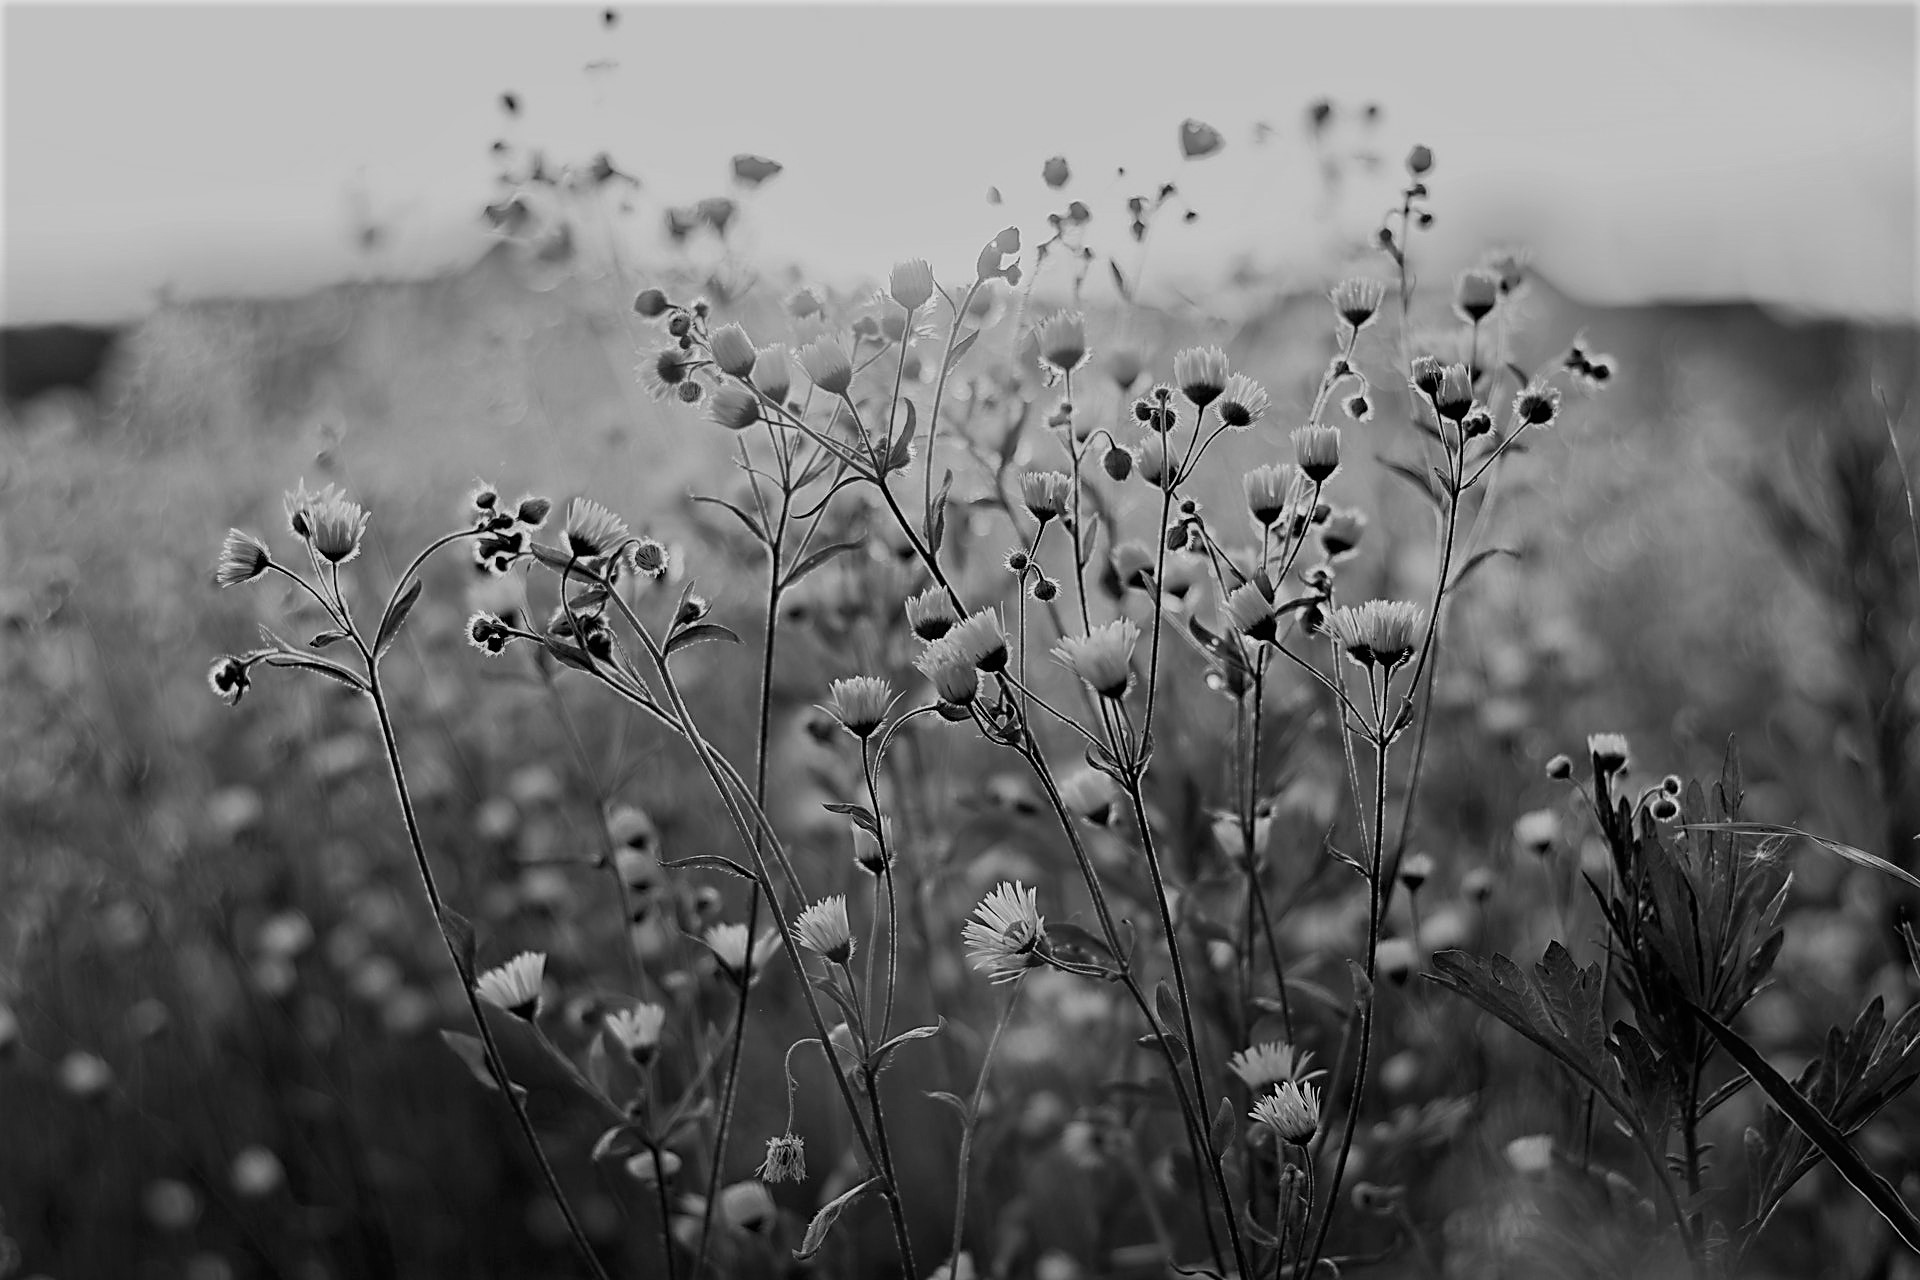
(396, 247)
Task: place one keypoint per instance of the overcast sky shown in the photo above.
(1643, 151)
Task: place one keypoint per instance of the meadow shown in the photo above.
(991, 773)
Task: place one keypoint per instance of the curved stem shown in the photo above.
(972, 1117)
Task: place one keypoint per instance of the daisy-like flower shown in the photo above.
(515, 985)
(773, 374)
(330, 522)
(1157, 463)
(1090, 795)
(1426, 375)
(592, 530)
(860, 704)
(1046, 493)
(870, 853)
(1537, 831)
(1133, 566)
(1007, 936)
(1124, 366)
(827, 363)
(1292, 1111)
(1317, 452)
(1269, 489)
(1243, 403)
(1357, 301)
(1201, 374)
(1609, 752)
(748, 1206)
(729, 945)
(982, 640)
(734, 407)
(1416, 870)
(931, 613)
(666, 371)
(786, 1155)
(911, 283)
(823, 929)
(955, 680)
(1103, 658)
(1342, 531)
(1537, 405)
(1453, 400)
(488, 632)
(637, 1030)
(243, 558)
(1475, 295)
(229, 679)
(1062, 340)
(1272, 1063)
(1395, 959)
(733, 350)
(1379, 632)
(1251, 613)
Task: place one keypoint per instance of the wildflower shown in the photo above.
(515, 985)
(860, 704)
(786, 1155)
(651, 304)
(1357, 301)
(1537, 405)
(1415, 870)
(643, 1169)
(649, 558)
(748, 1206)
(1201, 374)
(1532, 1154)
(1672, 785)
(823, 929)
(1478, 422)
(733, 350)
(1125, 366)
(489, 633)
(1475, 295)
(1090, 795)
(1243, 403)
(1046, 493)
(1317, 452)
(637, 1030)
(1454, 397)
(666, 371)
(1609, 752)
(1358, 407)
(1103, 657)
(1292, 1111)
(229, 679)
(256, 1172)
(772, 374)
(1133, 566)
(532, 511)
(1117, 462)
(911, 283)
(827, 363)
(1419, 160)
(592, 530)
(981, 640)
(1273, 1062)
(1156, 409)
(1379, 632)
(85, 1075)
(1426, 375)
(1560, 768)
(243, 558)
(1008, 935)
(1251, 613)
(1268, 490)
(1342, 530)
(1478, 884)
(734, 407)
(872, 854)
(330, 522)
(1158, 464)
(1537, 832)
(1395, 959)
(728, 942)
(955, 681)
(931, 613)
(1663, 809)
(1062, 339)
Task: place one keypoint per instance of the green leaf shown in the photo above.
(396, 617)
(698, 633)
(1819, 1130)
(1119, 281)
(326, 638)
(829, 1214)
(952, 1100)
(937, 529)
(1166, 1006)
(859, 813)
(320, 667)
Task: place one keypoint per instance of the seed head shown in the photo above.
(1007, 935)
(1103, 658)
(860, 704)
(1062, 340)
(1379, 632)
(1201, 374)
(1292, 1111)
(827, 363)
(1317, 452)
(823, 929)
(733, 350)
(515, 985)
(1243, 403)
(911, 283)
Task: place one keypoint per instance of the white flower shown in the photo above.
(1103, 658)
(1292, 1111)
(1008, 935)
(823, 929)
(515, 985)
(1271, 1063)
(637, 1030)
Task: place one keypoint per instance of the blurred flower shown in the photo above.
(1475, 294)
(823, 929)
(229, 679)
(1532, 1154)
(1243, 403)
(243, 558)
(911, 283)
(1379, 632)
(1316, 450)
(515, 985)
(171, 1205)
(981, 639)
(1478, 884)
(1342, 530)
(1357, 301)
(733, 350)
(1292, 1111)
(1537, 832)
(786, 1159)
(748, 1206)
(9, 1032)
(1090, 795)
(960, 1267)
(592, 530)
(773, 374)
(1133, 566)
(1008, 936)
(827, 363)
(637, 1030)
(728, 942)
(1201, 374)
(1395, 959)
(642, 1169)
(1046, 493)
(734, 407)
(870, 853)
(1062, 340)
(1125, 366)
(85, 1076)
(330, 522)
(1157, 462)
(860, 704)
(1415, 870)
(1103, 658)
(256, 1172)
(1273, 1062)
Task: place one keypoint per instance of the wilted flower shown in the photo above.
(733, 350)
(1358, 407)
(787, 1154)
(1251, 613)
(728, 942)
(1243, 403)
(1090, 795)
(1378, 632)
(734, 407)
(330, 522)
(1007, 936)
(515, 985)
(229, 679)
(1357, 301)
(1103, 657)
(981, 639)
(243, 558)
(859, 703)
(827, 363)
(931, 613)
(911, 284)
(666, 372)
(1316, 450)
(650, 558)
(1201, 374)
(1342, 530)
(592, 530)
(1475, 294)
(1268, 491)
(1046, 493)
(1062, 339)
(1271, 1063)
(637, 1030)
(823, 929)
(1292, 1111)
(955, 680)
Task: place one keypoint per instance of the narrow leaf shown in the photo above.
(1225, 1125)
(459, 931)
(710, 862)
(829, 1214)
(697, 633)
(961, 348)
(1857, 856)
(1166, 1006)
(747, 518)
(470, 1051)
(816, 559)
(396, 618)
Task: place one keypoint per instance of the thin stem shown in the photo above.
(973, 1116)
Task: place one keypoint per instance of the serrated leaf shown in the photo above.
(699, 633)
(396, 617)
(829, 1214)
